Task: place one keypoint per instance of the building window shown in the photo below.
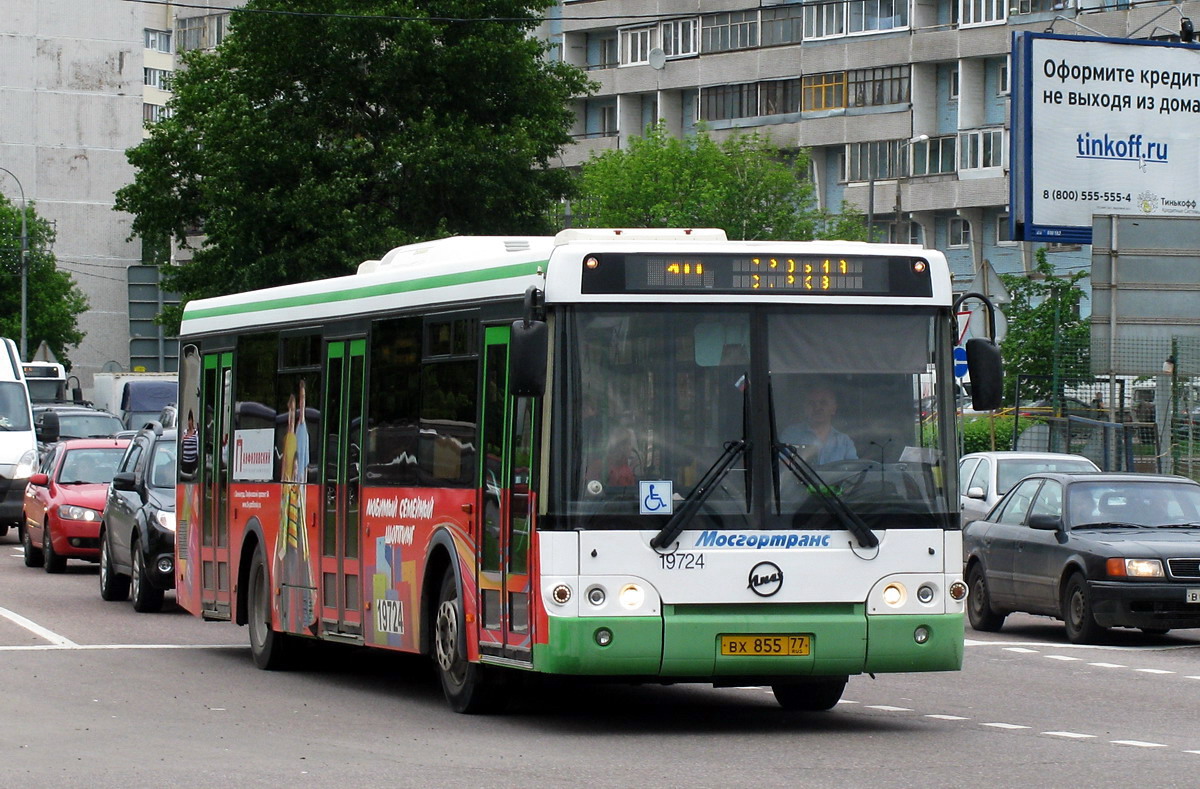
(679, 38)
(734, 30)
(959, 233)
(635, 46)
(870, 87)
(824, 91)
(1036, 6)
(933, 157)
(954, 84)
(779, 97)
(156, 78)
(782, 25)
(158, 40)
(868, 161)
(822, 20)
(723, 102)
(865, 16)
(153, 113)
(982, 12)
(1002, 231)
(904, 233)
(981, 148)
(202, 32)
(1002, 86)
(602, 51)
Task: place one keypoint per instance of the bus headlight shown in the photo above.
(895, 594)
(561, 594)
(596, 596)
(632, 596)
(925, 593)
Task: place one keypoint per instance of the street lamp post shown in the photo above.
(24, 269)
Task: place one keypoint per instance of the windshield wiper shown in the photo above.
(1111, 525)
(716, 472)
(829, 498)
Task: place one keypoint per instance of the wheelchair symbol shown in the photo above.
(656, 497)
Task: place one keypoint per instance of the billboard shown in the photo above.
(1101, 126)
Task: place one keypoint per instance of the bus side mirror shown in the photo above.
(987, 374)
(527, 358)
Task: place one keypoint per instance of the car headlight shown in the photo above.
(25, 466)
(72, 513)
(165, 519)
(1134, 568)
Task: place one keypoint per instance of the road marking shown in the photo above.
(1021, 649)
(948, 717)
(73, 646)
(1061, 657)
(1005, 725)
(1138, 743)
(1069, 734)
(36, 629)
(886, 708)
(1153, 671)
(1108, 665)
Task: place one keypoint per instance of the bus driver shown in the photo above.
(819, 441)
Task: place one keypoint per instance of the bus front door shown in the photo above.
(342, 425)
(214, 545)
(505, 504)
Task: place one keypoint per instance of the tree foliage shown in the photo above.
(743, 184)
(54, 301)
(1047, 340)
(307, 144)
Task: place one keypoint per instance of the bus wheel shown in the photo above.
(811, 696)
(463, 682)
(270, 648)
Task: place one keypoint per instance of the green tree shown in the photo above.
(743, 184)
(1048, 343)
(307, 144)
(54, 301)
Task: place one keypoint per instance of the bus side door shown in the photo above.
(341, 603)
(505, 501)
(216, 393)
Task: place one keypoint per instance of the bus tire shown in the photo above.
(815, 695)
(270, 649)
(464, 683)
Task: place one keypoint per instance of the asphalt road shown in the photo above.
(97, 695)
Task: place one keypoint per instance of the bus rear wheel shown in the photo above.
(811, 696)
(270, 649)
(464, 683)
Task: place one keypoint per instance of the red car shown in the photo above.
(64, 500)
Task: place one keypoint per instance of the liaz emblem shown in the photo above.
(765, 579)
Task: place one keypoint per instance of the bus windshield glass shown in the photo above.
(770, 417)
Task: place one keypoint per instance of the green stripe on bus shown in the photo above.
(370, 291)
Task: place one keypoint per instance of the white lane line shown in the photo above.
(1108, 665)
(1004, 725)
(1074, 735)
(36, 629)
(948, 717)
(886, 708)
(74, 646)
(1022, 650)
(1191, 677)
(1061, 657)
(1154, 671)
(1138, 743)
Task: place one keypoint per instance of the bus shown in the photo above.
(47, 381)
(579, 455)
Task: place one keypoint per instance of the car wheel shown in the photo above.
(1155, 631)
(464, 683)
(979, 602)
(53, 563)
(1077, 612)
(146, 598)
(270, 649)
(814, 696)
(33, 556)
(113, 585)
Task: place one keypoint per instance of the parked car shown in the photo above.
(137, 530)
(59, 422)
(984, 477)
(64, 499)
(1096, 550)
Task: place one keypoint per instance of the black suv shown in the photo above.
(137, 530)
(60, 421)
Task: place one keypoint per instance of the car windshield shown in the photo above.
(14, 406)
(1157, 504)
(95, 425)
(162, 465)
(90, 466)
(1010, 472)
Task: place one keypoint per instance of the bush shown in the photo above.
(988, 433)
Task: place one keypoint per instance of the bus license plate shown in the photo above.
(764, 645)
(1193, 595)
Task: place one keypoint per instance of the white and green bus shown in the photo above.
(643, 455)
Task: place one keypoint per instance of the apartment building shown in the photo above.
(904, 104)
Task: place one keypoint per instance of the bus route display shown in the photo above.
(862, 275)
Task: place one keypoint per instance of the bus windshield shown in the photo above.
(771, 417)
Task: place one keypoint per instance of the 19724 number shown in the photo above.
(681, 561)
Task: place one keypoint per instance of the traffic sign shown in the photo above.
(960, 361)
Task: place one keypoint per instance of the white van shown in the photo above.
(18, 446)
